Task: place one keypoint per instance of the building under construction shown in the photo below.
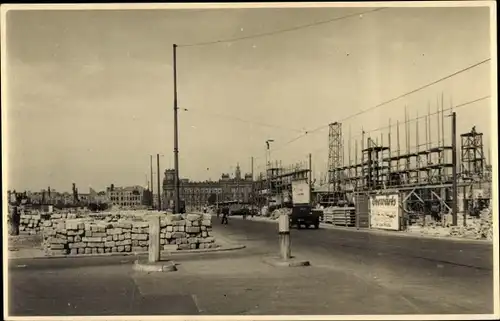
(406, 159)
(273, 188)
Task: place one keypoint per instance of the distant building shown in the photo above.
(198, 194)
(131, 196)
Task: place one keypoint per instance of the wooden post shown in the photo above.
(154, 239)
(284, 235)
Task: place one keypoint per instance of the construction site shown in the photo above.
(440, 178)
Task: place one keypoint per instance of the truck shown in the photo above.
(302, 213)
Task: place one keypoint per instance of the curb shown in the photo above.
(166, 253)
(395, 233)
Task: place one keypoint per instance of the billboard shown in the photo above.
(385, 212)
(300, 192)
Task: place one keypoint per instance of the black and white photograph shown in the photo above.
(250, 161)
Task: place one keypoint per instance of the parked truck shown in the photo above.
(302, 213)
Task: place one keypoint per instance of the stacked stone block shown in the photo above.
(186, 232)
(87, 236)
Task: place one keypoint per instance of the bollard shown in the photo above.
(154, 239)
(284, 235)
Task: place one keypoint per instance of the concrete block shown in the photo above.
(143, 243)
(109, 238)
(177, 235)
(206, 217)
(171, 247)
(128, 248)
(206, 223)
(184, 247)
(92, 239)
(94, 250)
(189, 223)
(193, 246)
(115, 231)
(135, 243)
(141, 224)
(196, 223)
(204, 234)
(184, 240)
(114, 249)
(180, 223)
(55, 246)
(121, 237)
(127, 235)
(88, 250)
(109, 244)
(137, 249)
(141, 237)
(170, 228)
(124, 225)
(81, 250)
(99, 234)
(72, 225)
(193, 229)
(56, 240)
(121, 248)
(77, 238)
(88, 233)
(100, 250)
(127, 242)
(193, 217)
(181, 228)
(193, 240)
(168, 235)
(70, 239)
(115, 237)
(162, 241)
(47, 223)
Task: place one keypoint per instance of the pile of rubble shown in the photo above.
(87, 236)
(476, 228)
(280, 211)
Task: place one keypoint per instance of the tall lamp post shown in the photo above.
(268, 152)
(176, 138)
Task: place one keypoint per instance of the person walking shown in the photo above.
(225, 214)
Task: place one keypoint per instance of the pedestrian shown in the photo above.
(16, 220)
(225, 214)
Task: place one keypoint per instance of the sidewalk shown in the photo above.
(413, 234)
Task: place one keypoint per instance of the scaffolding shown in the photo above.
(275, 186)
(418, 162)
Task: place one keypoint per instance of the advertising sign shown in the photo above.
(300, 192)
(385, 212)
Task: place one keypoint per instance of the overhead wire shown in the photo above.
(271, 33)
(244, 120)
(387, 101)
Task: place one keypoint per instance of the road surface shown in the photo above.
(351, 273)
(457, 275)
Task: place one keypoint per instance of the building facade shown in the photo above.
(198, 194)
(131, 196)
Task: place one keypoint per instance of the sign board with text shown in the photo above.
(300, 192)
(385, 212)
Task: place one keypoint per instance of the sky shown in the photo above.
(90, 92)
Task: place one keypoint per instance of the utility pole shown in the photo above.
(176, 138)
(151, 167)
(310, 176)
(454, 168)
(158, 177)
(253, 188)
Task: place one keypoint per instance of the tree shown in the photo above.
(212, 199)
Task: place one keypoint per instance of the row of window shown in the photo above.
(121, 198)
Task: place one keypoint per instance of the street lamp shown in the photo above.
(268, 171)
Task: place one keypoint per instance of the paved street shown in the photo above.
(351, 273)
(455, 274)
